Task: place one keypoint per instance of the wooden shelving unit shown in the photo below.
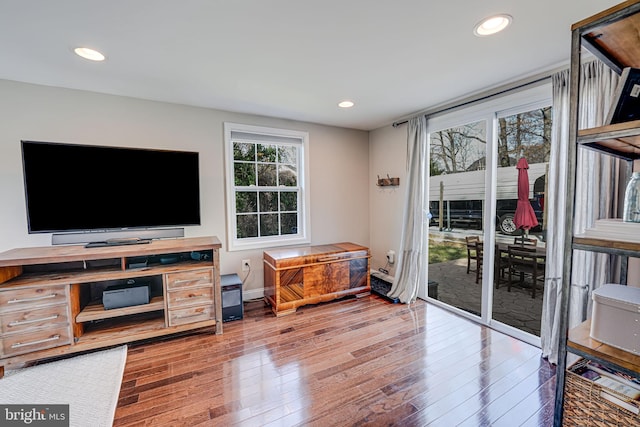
(613, 37)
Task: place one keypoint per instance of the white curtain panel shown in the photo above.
(413, 244)
(596, 197)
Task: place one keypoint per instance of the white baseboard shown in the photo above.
(252, 294)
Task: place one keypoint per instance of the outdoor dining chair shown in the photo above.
(471, 251)
(524, 262)
(521, 240)
(479, 255)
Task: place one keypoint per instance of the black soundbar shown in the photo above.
(118, 242)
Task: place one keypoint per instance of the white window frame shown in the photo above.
(272, 136)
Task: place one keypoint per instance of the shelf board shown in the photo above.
(125, 330)
(620, 139)
(99, 274)
(616, 42)
(97, 311)
(71, 253)
(610, 235)
(580, 340)
(615, 247)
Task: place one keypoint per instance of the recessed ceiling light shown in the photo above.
(346, 104)
(90, 54)
(492, 25)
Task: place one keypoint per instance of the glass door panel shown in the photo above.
(524, 143)
(456, 209)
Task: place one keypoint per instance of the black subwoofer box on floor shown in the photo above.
(231, 287)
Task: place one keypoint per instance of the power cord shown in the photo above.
(248, 273)
(384, 269)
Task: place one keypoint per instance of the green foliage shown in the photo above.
(288, 201)
(442, 252)
(288, 175)
(268, 201)
(246, 226)
(244, 174)
(266, 213)
(246, 201)
(244, 151)
(267, 175)
(267, 153)
(269, 225)
(289, 223)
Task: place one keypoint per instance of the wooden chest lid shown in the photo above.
(290, 257)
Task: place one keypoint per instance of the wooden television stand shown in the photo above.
(51, 297)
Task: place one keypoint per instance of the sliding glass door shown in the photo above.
(475, 209)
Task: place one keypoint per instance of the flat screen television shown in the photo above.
(78, 188)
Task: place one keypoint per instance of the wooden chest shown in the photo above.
(294, 277)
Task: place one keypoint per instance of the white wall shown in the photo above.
(339, 168)
(387, 155)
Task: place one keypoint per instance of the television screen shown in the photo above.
(86, 188)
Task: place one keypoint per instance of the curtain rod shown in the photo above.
(538, 78)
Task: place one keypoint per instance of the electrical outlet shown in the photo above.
(246, 264)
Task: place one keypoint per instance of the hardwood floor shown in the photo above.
(349, 362)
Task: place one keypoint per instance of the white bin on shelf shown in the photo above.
(615, 317)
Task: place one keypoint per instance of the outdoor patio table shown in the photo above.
(501, 262)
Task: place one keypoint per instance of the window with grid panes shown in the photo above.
(266, 193)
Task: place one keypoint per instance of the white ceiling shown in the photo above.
(293, 59)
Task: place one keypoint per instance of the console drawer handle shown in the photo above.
(14, 301)
(24, 344)
(177, 282)
(26, 322)
(192, 296)
(190, 315)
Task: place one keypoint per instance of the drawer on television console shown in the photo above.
(28, 298)
(31, 319)
(191, 315)
(185, 279)
(15, 344)
(201, 295)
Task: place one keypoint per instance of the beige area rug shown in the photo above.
(89, 384)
